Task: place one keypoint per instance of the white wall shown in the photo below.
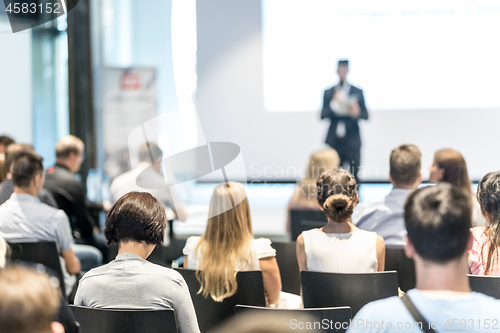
(230, 106)
(16, 112)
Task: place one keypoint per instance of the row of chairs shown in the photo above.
(353, 290)
(163, 321)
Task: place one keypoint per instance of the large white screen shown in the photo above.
(412, 55)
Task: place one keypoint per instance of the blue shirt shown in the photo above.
(472, 313)
(24, 218)
(384, 216)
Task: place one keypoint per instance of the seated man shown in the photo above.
(149, 155)
(23, 218)
(438, 220)
(29, 302)
(385, 216)
(7, 186)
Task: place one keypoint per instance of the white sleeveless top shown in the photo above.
(354, 252)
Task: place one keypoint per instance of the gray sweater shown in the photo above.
(130, 282)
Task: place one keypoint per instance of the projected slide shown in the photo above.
(404, 55)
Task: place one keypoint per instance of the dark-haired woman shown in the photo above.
(137, 224)
(339, 247)
(483, 257)
(449, 166)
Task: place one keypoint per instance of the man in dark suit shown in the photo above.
(344, 104)
(69, 193)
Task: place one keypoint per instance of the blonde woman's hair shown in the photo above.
(226, 242)
(319, 162)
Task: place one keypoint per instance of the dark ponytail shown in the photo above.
(337, 193)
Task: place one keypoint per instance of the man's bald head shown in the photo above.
(69, 152)
(67, 145)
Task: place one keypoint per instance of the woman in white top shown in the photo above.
(228, 246)
(339, 247)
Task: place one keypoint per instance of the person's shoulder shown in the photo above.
(486, 303)
(356, 89)
(191, 242)
(263, 248)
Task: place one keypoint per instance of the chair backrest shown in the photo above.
(211, 313)
(44, 253)
(488, 285)
(286, 256)
(396, 260)
(338, 317)
(94, 320)
(306, 219)
(321, 290)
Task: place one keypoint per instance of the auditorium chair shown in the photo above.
(488, 285)
(94, 320)
(286, 256)
(306, 219)
(211, 313)
(44, 253)
(338, 318)
(320, 290)
(396, 260)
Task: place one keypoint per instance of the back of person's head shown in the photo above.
(28, 303)
(68, 145)
(150, 153)
(13, 150)
(5, 141)
(337, 194)
(488, 195)
(438, 222)
(454, 168)
(319, 162)
(25, 167)
(405, 165)
(226, 241)
(136, 217)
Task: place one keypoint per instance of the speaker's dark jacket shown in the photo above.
(352, 138)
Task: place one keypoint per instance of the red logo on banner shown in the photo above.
(130, 82)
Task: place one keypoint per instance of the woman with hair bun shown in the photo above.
(339, 247)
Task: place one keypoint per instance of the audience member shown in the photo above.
(438, 221)
(89, 256)
(5, 141)
(228, 246)
(137, 223)
(7, 186)
(29, 302)
(23, 218)
(70, 193)
(304, 196)
(449, 166)
(483, 257)
(148, 171)
(385, 215)
(340, 246)
(64, 314)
